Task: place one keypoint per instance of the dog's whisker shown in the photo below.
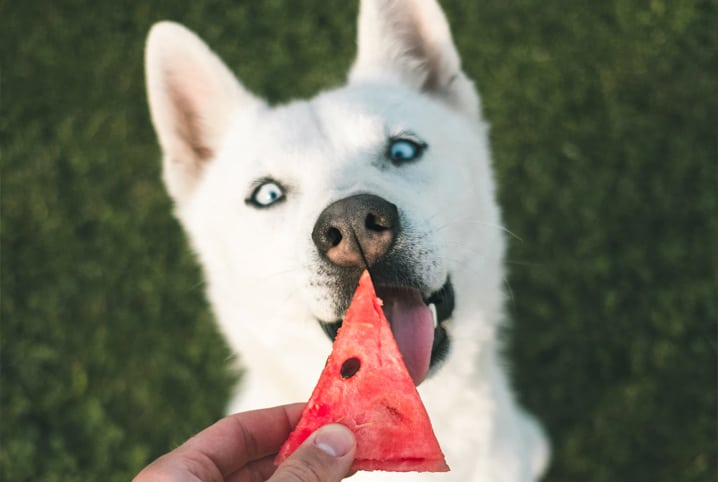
(509, 291)
(471, 220)
(503, 228)
(202, 283)
(530, 264)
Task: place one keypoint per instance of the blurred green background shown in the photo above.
(604, 118)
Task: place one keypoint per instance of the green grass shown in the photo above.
(603, 121)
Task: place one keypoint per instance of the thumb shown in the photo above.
(325, 456)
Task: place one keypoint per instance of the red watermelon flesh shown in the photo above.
(366, 386)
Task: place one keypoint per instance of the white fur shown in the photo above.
(261, 265)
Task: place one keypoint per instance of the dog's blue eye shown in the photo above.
(405, 150)
(266, 194)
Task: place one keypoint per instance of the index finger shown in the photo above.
(234, 441)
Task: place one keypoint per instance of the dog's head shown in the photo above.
(288, 205)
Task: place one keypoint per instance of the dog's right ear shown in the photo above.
(411, 40)
(193, 97)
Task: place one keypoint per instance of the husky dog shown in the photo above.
(285, 206)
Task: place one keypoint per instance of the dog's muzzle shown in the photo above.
(359, 232)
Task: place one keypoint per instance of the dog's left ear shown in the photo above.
(411, 40)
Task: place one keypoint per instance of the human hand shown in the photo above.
(242, 447)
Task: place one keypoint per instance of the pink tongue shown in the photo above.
(413, 326)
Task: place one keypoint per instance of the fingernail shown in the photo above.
(335, 439)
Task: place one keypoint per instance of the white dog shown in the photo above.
(286, 205)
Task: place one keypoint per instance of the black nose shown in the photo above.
(357, 230)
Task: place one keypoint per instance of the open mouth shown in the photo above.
(418, 324)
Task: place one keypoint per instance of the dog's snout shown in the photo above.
(356, 231)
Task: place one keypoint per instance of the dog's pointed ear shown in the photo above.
(193, 97)
(411, 40)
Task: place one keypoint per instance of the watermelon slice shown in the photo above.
(366, 386)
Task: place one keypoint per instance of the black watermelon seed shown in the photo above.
(350, 367)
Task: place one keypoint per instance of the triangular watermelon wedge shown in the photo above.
(366, 386)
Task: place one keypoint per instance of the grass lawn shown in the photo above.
(604, 128)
